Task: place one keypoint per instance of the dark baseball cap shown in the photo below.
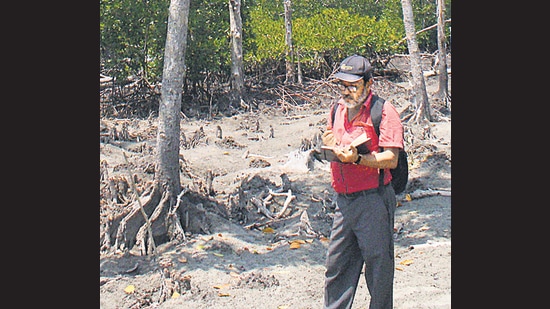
(353, 68)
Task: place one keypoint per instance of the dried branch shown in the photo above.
(422, 30)
(268, 222)
(247, 154)
(418, 194)
(261, 207)
(289, 198)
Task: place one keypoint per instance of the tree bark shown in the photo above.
(443, 90)
(289, 59)
(237, 78)
(131, 231)
(167, 172)
(422, 111)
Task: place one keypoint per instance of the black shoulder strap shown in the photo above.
(333, 110)
(376, 116)
(376, 112)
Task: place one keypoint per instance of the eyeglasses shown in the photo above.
(343, 87)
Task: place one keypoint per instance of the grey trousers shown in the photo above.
(362, 234)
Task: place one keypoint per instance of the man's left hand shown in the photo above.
(347, 155)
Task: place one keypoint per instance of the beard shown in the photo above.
(354, 103)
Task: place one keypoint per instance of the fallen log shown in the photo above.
(418, 194)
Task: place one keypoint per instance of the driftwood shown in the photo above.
(431, 244)
(247, 154)
(269, 222)
(418, 194)
(289, 198)
(261, 204)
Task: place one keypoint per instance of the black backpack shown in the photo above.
(400, 174)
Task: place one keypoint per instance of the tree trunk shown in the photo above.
(297, 53)
(159, 206)
(443, 90)
(167, 172)
(168, 136)
(289, 59)
(237, 78)
(422, 111)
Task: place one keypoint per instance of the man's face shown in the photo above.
(355, 93)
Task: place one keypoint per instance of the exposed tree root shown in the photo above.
(168, 223)
(129, 225)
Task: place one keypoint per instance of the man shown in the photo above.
(362, 229)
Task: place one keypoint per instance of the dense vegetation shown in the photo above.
(324, 31)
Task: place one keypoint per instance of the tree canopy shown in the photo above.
(133, 35)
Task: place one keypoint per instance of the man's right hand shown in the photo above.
(328, 138)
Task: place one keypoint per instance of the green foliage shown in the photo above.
(268, 37)
(132, 37)
(331, 33)
(208, 40)
(133, 34)
(306, 8)
(336, 29)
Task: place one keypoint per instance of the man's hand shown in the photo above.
(328, 138)
(347, 155)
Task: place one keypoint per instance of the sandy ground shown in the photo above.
(238, 265)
